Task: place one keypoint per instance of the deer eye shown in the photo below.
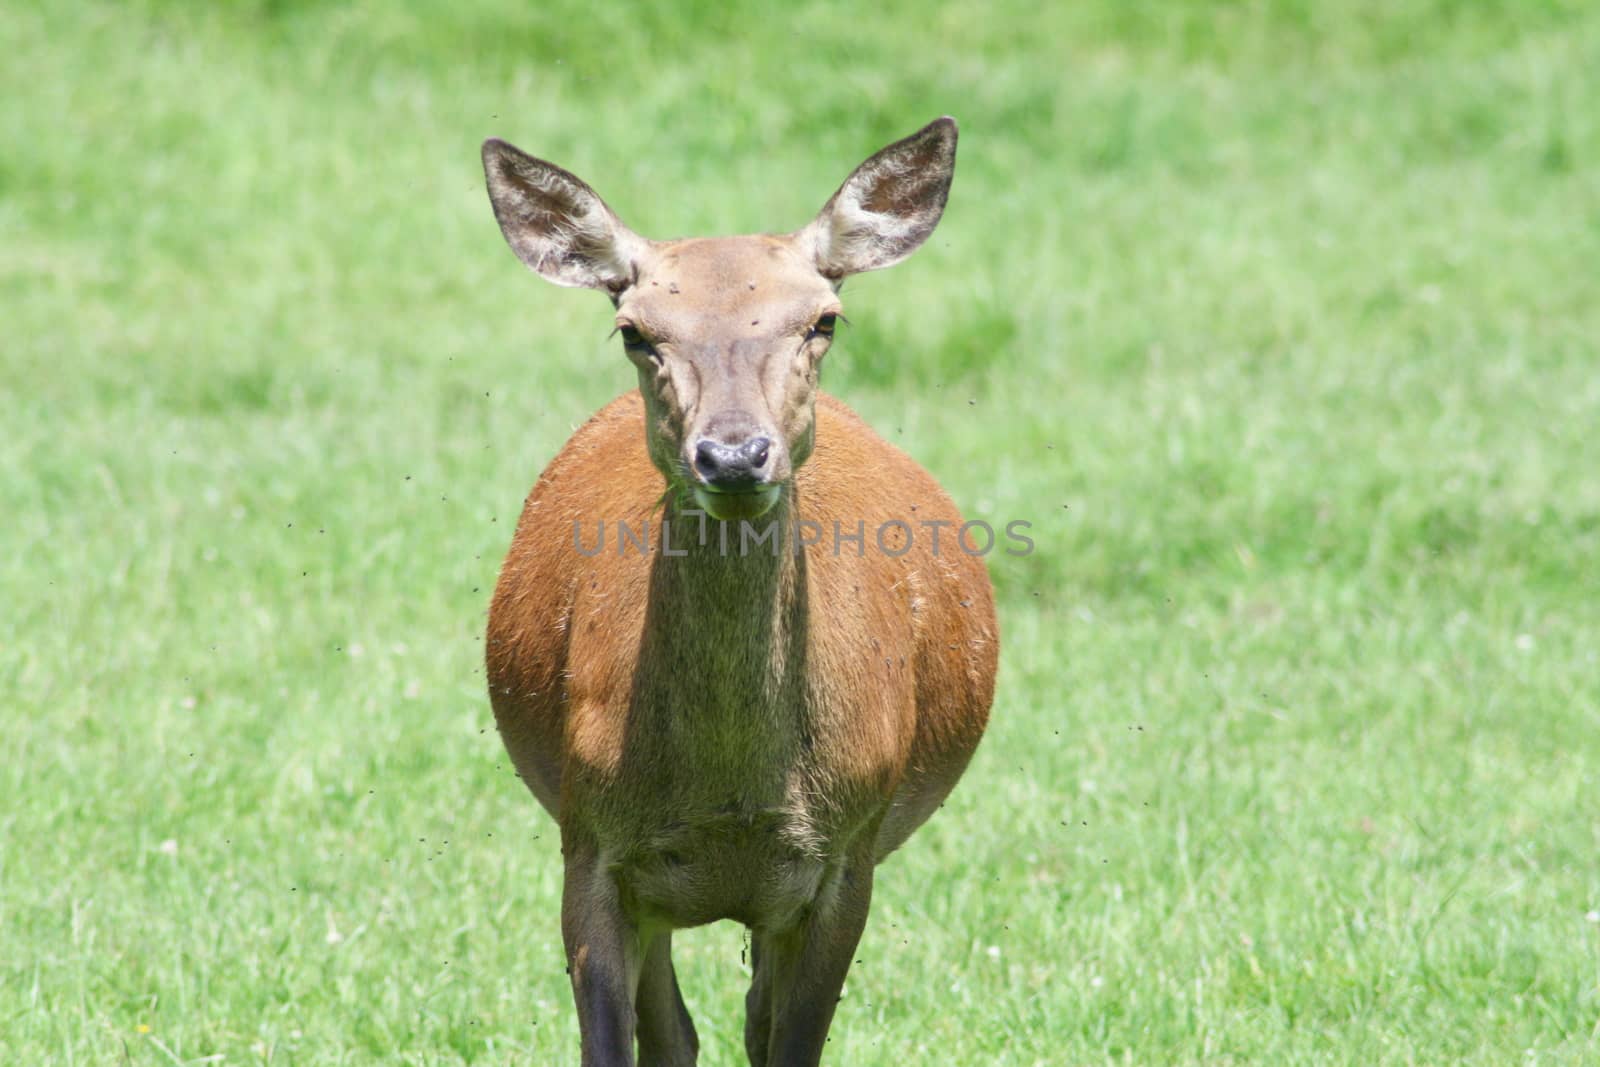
(824, 325)
(632, 338)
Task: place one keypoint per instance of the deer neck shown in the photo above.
(725, 625)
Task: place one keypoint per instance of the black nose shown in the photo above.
(731, 468)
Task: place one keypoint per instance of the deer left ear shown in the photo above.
(889, 206)
(555, 223)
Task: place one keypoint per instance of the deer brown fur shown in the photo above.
(727, 732)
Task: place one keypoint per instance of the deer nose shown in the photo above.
(732, 468)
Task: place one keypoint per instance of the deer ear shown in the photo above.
(889, 206)
(555, 223)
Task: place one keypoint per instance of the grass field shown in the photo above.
(1280, 320)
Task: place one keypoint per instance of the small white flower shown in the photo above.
(1592, 915)
(169, 847)
(993, 951)
(1524, 642)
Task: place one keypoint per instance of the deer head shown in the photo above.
(727, 333)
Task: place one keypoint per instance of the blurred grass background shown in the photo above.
(1278, 319)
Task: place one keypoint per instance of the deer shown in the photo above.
(724, 733)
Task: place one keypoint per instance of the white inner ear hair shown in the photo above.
(565, 231)
(856, 237)
(579, 229)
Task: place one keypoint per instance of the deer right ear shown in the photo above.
(555, 223)
(888, 207)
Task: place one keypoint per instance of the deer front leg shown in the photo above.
(801, 972)
(666, 1033)
(604, 956)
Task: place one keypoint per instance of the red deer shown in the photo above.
(721, 731)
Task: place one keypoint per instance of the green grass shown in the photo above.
(1279, 319)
